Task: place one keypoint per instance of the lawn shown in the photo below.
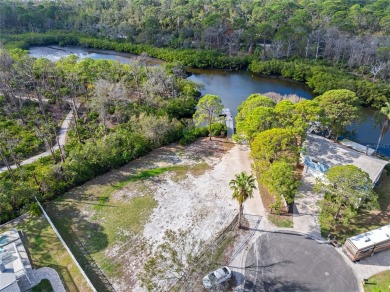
(283, 220)
(378, 283)
(46, 250)
(116, 217)
(370, 219)
(43, 286)
(112, 222)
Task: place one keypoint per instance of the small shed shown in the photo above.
(320, 154)
(368, 243)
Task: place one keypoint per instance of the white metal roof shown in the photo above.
(358, 147)
(331, 154)
(10, 258)
(372, 237)
(11, 288)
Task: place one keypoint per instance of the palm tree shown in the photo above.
(383, 120)
(242, 187)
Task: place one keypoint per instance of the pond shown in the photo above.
(232, 86)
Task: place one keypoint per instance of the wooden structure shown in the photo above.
(368, 243)
(229, 122)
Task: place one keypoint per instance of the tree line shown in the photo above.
(319, 75)
(349, 33)
(276, 133)
(119, 112)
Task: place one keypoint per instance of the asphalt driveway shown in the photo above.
(287, 262)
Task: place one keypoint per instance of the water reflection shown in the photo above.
(233, 87)
(55, 53)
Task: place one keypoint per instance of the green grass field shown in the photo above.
(378, 283)
(101, 216)
(367, 220)
(46, 250)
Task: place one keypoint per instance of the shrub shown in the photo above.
(35, 210)
(190, 135)
(217, 128)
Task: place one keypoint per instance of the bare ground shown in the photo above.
(193, 196)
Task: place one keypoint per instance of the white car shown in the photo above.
(217, 277)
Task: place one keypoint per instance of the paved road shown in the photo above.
(285, 262)
(61, 137)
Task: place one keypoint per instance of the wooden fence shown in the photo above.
(205, 252)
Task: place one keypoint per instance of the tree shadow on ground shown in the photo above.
(69, 284)
(276, 284)
(83, 238)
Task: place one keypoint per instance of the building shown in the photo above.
(320, 154)
(13, 262)
(368, 243)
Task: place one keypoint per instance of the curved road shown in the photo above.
(288, 262)
(61, 138)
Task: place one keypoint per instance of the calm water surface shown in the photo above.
(233, 87)
(55, 53)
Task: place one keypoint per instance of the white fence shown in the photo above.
(66, 247)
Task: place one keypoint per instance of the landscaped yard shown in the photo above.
(43, 286)
(371, 219)
(378, 283)
(46, 250)
(284, 219)
(117, 219)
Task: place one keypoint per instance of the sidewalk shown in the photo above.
(306, 211)
(61, 138)
(255, 214)
(305, 223)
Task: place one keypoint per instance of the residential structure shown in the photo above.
(13, 262)
(368, 243)
(320, 154)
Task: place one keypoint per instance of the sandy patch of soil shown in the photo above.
(194, 195)
(200, 201)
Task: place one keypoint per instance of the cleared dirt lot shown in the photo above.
(118, 218)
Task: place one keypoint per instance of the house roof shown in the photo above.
(331, 154)
(358, 147)
(371, 238)
(11, 261)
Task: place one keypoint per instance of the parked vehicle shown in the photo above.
(217, 277)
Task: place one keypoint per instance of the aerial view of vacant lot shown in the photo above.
(116, 219)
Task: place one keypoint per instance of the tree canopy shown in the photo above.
(208, 109)
(273, 145)
(281, 180)
(339, 31)
(119, 112)
(341, 108)
(242, 186)
(346, 188)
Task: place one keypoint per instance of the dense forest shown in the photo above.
(119, 112)
(348, 32)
